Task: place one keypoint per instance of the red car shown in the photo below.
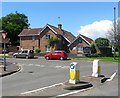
(59, 54)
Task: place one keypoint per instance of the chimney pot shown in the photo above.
(60, 26)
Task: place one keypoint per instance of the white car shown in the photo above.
(24, 54)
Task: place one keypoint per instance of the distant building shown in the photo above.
(80, 45)
(37, 38)
(0, 42)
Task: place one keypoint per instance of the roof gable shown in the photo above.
(84, 38)
(67, 35)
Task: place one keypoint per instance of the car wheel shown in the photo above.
(47, 58)
(61, 58)
(15, 56)
(26, 56)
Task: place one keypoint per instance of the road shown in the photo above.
(39, 73)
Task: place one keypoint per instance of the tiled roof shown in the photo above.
(57, 30)
(30, 32)
(86, 38)
(68, 35)
(36, 31)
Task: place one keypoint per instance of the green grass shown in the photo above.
(5, 56)
(103, 59)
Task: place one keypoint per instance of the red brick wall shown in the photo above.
(44, 41)
(77, 43)
(28, 43)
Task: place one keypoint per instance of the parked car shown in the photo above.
(24, 54)
(59, 54)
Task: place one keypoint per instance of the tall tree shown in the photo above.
(102, 42)
(14, 23)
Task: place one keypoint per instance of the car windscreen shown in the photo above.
(31, 51)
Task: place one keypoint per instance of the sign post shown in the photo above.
(74, 73)
(4, 34)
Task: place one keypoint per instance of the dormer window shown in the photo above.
(47, 36)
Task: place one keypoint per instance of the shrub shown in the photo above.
(37, 50)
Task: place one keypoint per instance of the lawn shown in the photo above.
(103, 59)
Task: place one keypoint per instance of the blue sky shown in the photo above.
(73, 15)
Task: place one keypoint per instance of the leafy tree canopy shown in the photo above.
(52, 41)
(102, 42)
(14, 23)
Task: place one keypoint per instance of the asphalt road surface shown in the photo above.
(39, 73)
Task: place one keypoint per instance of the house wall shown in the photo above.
(78, 42)
(28, 43)
(41, 42)
(44, 41)
(0, 42)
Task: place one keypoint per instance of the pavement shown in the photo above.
(10, 68)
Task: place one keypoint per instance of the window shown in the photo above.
(47, 36)
(47, 48)
(80, 40)
(58, 52)
(79, 49)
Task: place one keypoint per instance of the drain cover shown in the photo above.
(30, 72)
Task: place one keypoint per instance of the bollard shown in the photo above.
(74, 73)
(96, 68)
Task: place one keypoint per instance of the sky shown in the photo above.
(92, 19)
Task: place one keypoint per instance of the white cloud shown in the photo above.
(96, 29)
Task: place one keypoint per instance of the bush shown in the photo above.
(106, 52)
(37, 50)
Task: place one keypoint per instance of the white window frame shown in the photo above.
(79, 49)
(47, 48)
(47, 36)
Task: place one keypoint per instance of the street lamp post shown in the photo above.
(114, 29)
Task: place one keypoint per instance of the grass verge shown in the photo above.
(103, 59)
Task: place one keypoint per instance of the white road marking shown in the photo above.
(71, 93)
(28, 92)
(63, 67)
(40, 65)
(57, 66)
(111, 78)
(30, 64)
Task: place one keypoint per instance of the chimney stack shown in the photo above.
(60, 26)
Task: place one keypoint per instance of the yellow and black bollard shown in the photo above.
(74, 73)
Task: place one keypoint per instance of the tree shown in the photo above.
(102, 45)
(53, 41)
(14, 24)
(114, 34)
(102, 42)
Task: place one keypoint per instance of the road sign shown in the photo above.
(74, 73)
(4, 34)
(72, 66)
(114, 41)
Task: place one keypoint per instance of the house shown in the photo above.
(37, 38)
(0, 42)
(80, 45)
